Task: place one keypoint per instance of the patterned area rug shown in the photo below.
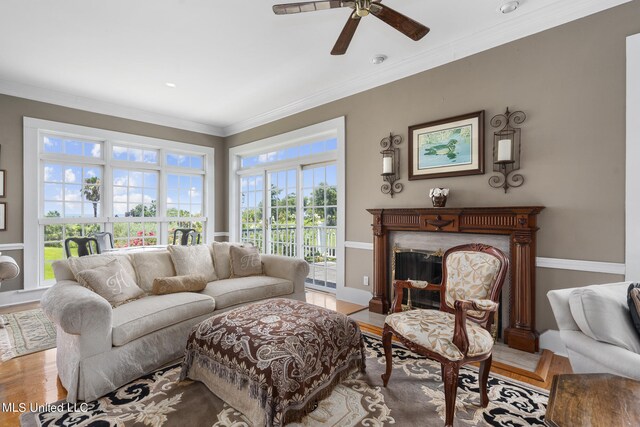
(414, 397)
(25, 332)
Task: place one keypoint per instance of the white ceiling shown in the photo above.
(235, 63)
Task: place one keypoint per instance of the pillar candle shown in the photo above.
(504, 150)
(387, 165)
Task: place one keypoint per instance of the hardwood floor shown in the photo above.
(33, 378)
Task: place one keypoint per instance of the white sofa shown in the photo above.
(100, 348)
(596, 327)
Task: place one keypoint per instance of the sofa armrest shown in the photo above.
(294, 269)
(559, 300)
(77, 310)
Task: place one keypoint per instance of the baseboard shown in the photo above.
(550, 339)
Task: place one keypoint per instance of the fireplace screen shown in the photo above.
(414, 264)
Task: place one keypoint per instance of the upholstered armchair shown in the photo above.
(459, 332)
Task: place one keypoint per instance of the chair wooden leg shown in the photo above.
(386, 344)
(450, 391)
(483, 378)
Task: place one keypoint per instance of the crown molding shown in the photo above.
(521, 26)
(102, 107)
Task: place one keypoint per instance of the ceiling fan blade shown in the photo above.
(309, 6)
(344, 39)
(407, 26)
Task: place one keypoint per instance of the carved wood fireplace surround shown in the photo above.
(520, 223)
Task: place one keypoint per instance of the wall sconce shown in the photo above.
(391, 164)
(506, 150)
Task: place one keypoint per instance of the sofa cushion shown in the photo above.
(222, 258)
(195, 259)
(245, 261)
(111, 282)
(633, 301)
(78, 264)
(152, 264)
(175, 284)
(141, 317)
(246, 289)
(602, 313)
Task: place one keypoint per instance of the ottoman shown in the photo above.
(275, 359)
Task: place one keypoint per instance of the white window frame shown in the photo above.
(34, 129)
(632, 240)
(334, 128)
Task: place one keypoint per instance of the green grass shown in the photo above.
(51, 254)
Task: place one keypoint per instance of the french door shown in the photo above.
(293, 212)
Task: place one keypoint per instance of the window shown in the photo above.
(184, 202)
(92, 180)
(285, 199)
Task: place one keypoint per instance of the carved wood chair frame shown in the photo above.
(450, 369)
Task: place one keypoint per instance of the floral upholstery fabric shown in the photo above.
(485, 304)
(433, 330)
(470, 276)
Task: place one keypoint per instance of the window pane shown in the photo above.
(53, 173)
(73, 174)
(73, 148)
(52, 145)
(92, 150)
(119, 153)
(150, 156)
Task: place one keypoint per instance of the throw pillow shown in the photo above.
(78, 264)
(633, 299)
(602, 313)
(222, 259)
(245, 261)
(152, 264)
(171, 285)
(111, 282)
(195, 259)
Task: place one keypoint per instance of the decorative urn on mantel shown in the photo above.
(439, 197)
(517, 222)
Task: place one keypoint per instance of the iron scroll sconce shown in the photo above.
(506, 150)
(391, 164)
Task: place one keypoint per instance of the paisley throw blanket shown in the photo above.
(284, 354)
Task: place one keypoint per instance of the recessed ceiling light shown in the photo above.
(509, 7)
(169, 84)
(378, 59)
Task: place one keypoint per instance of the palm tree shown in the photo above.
(91, 191)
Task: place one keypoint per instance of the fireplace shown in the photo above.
(517, 226)
(417, 264)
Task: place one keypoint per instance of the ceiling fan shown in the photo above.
(361, 8)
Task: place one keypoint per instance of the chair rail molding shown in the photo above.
(11, 246)
(541, 262)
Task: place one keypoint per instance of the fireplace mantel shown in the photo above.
(520, 223)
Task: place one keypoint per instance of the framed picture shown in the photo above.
(447, 147)
(3, 216)
(3, 183)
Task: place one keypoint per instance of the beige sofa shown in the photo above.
(100, 348)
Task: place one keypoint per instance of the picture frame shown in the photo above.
(447, 147)
(3, 183)
(3, 216)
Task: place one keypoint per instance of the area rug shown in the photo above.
(25, 332)
(414, 397)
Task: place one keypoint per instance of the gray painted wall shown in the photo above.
(569, 80)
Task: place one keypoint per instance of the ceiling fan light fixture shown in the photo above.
(509, 7)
